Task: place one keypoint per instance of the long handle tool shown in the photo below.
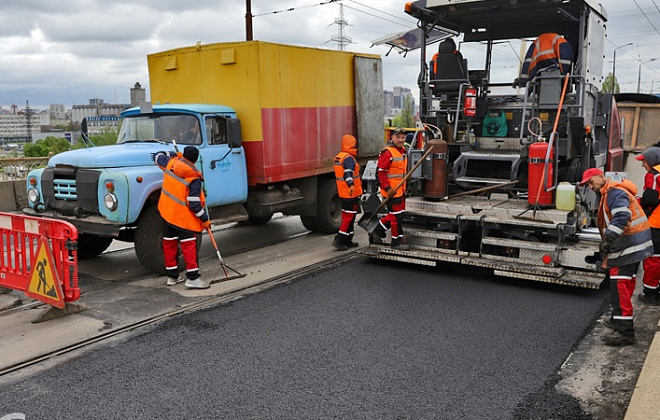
(238, 275)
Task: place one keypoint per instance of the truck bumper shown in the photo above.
(94, 225)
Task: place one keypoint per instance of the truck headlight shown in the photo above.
(33, 195)
(110, 201)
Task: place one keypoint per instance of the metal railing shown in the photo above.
(18, 168)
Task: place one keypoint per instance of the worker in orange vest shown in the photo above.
(549, 50)
(349, 189)
(650, 202)
(182, 206)
(392, 167)
(626, 242)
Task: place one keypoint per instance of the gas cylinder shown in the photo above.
(436, 187)
(470, 103)
(536, 171)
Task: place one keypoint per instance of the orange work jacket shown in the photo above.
(342, 185)
(173, 202)
(397, 171)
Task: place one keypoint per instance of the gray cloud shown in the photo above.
(68, 51)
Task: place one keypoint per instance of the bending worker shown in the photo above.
(626, 241)
(549, 50)
(182, 207)
(392, 166)
(349, 188)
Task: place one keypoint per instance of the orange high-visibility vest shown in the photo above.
(654, 217)
(397, 171)
(342, 185)
(173, 202)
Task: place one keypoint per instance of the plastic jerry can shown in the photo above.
(565, 196)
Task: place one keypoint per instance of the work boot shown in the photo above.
(650, 299)
(608, 323)
(198, 283)
(174, 281)
(353, 244)
(375, 239)
(399, 245)
(339, 245)
(379, 231)
(616, 338)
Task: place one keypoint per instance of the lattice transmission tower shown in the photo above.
(341, 39)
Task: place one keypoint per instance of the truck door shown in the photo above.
(224, 168)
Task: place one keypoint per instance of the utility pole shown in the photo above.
(248, 20)
(341, 39)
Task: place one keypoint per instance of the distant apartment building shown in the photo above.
(395, 99)
(57, 111)
(98, 108)
(14, 127)
(102, 123)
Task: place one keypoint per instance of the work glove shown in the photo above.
(518, 83)
(206, 224)
(605, 246)
(390, 192)
(351, 190)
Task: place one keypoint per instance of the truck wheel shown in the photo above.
(149, 242)
(257, 220)
(309, 222)
(328, 208)
(92, 245)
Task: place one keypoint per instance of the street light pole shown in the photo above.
(614, 66)
(639, 75)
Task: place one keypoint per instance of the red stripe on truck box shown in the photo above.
(297, 142)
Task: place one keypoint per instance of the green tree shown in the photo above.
(405, 119)
(610, 85)
(49, 145)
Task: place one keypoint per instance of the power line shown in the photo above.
(379, 10)
(291, 9)
(646, 16)
(377, 17)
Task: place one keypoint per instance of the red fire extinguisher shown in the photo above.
(537, 190)
(470, 103)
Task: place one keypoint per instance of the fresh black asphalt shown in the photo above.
(366, 340)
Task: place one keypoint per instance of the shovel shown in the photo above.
(368, 221)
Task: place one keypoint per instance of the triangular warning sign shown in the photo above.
(44, 281)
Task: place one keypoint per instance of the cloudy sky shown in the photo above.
(68, 51)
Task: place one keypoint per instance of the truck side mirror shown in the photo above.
(83, 126)
(234, 134)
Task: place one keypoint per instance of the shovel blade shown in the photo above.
(368, 222)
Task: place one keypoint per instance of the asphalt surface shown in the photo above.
(364, 341)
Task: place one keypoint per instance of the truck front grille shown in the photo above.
(65, 189)
(71, 191)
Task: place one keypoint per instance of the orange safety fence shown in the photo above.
(39, 257)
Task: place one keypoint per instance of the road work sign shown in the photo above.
(39, 257)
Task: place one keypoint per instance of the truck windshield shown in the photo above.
(183, 129)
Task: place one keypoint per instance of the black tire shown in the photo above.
(309, 222)
(328, 207)
(90, 246)
(257, 220)
(149, 241)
